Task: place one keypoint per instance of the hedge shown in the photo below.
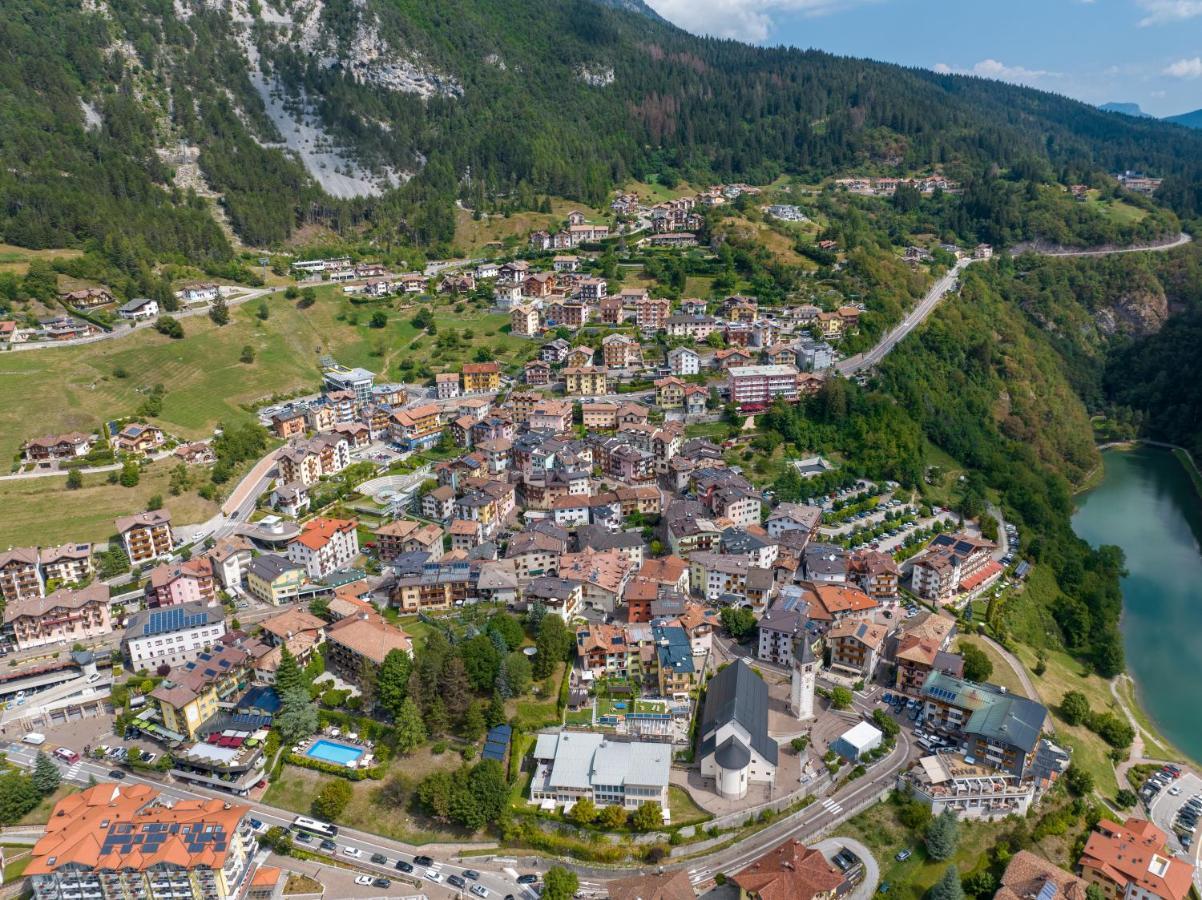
(318, 765)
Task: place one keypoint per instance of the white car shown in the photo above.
(1174, 791)
(479, 890)
(363, 880)
(352, 851)
(433, 876)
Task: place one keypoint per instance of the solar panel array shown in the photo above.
(497, 742)
(123, 838)
(173, 618)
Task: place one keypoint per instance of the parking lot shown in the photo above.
(1166, 810)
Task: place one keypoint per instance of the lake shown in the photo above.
(1147, 505)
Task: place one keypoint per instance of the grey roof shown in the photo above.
(1011, 719)
(733, 754)
(134, 305)
(783, 619)
(825, 559)
(185, 616)
(737, 694)
(586, 760)
(270, 566)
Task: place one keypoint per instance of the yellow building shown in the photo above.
(481, 377)
(585, 381)
(274, 579)
(669, 393)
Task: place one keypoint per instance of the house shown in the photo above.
(831, 603)
(524, 320)
(230, 557)
(139, 308)
(620, 351)
(782, 626)
(274, 579)
(732, 358)
(83, 851)
(1133, 861)
(599, 416)
(566, 263)
(560, 596)
(288, 425)
(446, 385)
(683, 361)
(793, 517)
(537, 373)
(198, 292)
(696, 400)
(481, 377)
(87, 298)
(659, 886)
(403, 536)
(416, 427)
(65, 616)
(585, 381)
(298, 630)
(361, 643)
(69, 564)
(197, 453)
(70, 445)
(139, 438)
(325, 545)
(736, 749)
(552, 415)
(439, 503)
(172, 637)
(669, 392)
(172, 584)
(856, 647)
(694, 327)
(579, 356)
(825, 563)
(792, 872)
(876, 573)
(830, 326)
(571, 766)
(602, 573)
(1029, 875)
(146, 535)
(292, 499)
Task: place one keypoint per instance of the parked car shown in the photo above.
(903, 855)
(472, 874)
(423, 861)
(352, 851)
(364, 880)
(382, 883)
(379, 859)
(403, 866)
(527, 879)
(479, 890)
(456, 881)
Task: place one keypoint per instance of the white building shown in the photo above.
(762, 384)
(571, 766)
(139, 308)
(736, 749)
(858, 740)
(174, 635)
(358, 381)
(684, 361)
(324, 546)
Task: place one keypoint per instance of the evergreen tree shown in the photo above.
(436, 718)
(473, 727)
(456, 688)
(46, 777)
(942, 835)
(948, 886)
(288, 676)
(297, 717)
(219, 312)
(392, 685)
(410, 730)
(496, 711)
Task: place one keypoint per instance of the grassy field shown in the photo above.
(493, 231)
(16, 259)
(1155, 746)
(40, 814)
(1002, 673)
(42, 510)
(78, 387)
(1117, 211)
(684, 810)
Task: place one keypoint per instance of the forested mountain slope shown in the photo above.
(377, 114)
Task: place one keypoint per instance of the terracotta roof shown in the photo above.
(665, 886)
(79, 828)
(96, 592)
(1028, 874)
(828, 600)
(868, 633)
(790, 872)
(369, 636)
(1133, 856)
(318, 532)
(665, 569)
(151, 518)
(292, 621)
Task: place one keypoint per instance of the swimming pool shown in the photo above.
(333, 752)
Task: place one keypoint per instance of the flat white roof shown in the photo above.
(762, 371)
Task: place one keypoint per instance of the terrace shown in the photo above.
(338, 748)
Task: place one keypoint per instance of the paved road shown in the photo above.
(939, 289)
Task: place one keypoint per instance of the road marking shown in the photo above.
(831, 806)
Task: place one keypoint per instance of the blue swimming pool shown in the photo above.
(333, 752)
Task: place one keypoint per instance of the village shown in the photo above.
(561, 572)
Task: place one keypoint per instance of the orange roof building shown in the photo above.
(835, 602)
(112, 840)
(790, 872)
(1130, 860)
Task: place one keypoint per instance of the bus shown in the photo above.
(313, 826)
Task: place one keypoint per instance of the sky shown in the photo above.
(1142, 51)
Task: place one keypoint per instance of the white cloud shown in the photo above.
(991, 68)
(1186, 68)
(745, 20)
(1162, 12)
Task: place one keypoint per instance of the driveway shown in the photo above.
(828, 847)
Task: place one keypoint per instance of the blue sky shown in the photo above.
(1143, 51)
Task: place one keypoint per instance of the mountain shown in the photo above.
(1189, 119)
(124, 123)
(1127, 109)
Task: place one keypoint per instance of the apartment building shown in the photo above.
(856, 647)
(146, 535)
(275, 579)
(65, 615)
(325, 545)
(20, 574)
(479, 378)
(192, 581)
(172, 636)
(759, 385)
(1133, 861)
(620, 351)
(68, 564)
(124, 840)
(651, 313)
(363, 642)
(585, 381)
(418, 426)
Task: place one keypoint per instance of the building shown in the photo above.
(288, 425)
(858, 741)
(651, 313)
(402, 536)
(446, 385)
(950, 781)
(225, 768)
(781, 627)
(993, 725)
(68, 564)
(358, 381)
(1132, 861)
(71, 445)
(325, 545)
(760, 385)
(876, 573)
(192, 695)
(479, 378)
(146, 536)
(736, 750)
(951, 564)
(619, 351)
(186, 582)
(856, 647)
(275, 579)
(793, 517)
(172, 636)
(123, 840)
(198, 292)
(20, 574)
(585, 381)
(63, 616)
(362, 642)
(683, 361)
(139, 308)
(139, 439)
(676, 674)
(560, 596)
(663, 886)
(791, 872)
(570, 766)
(416, 427)
(1028, 875)
(537, 372)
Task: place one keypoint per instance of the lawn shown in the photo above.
(16, 259)
(582, 717)
(73, 388)
(40, 814)
(684, 810)
(472, 236)
(296, 788)
(1002, 673)
(14, 870)
(1155, 746)
(42, 510)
